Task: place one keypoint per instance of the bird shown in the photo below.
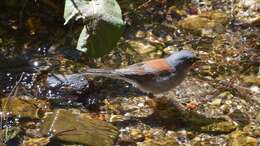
(153, 76)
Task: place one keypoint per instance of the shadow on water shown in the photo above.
(42, 78)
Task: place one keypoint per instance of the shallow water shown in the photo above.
(40, 77)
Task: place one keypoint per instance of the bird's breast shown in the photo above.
(162, 84)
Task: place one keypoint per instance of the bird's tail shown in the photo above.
(101, 72)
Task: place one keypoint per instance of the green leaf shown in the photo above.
(103, 24)
(81, 45)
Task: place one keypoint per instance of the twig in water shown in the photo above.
(4, 109)
(13, 90)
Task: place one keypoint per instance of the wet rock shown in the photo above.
(141, 47)
(225, 95)
(220, 127)
(255, 89)
(207, 23)
(36, 142)
(125, 139)
(32, 132)
(256, 21)
(24, 106)
(216, 102)
(177, 11)
(247, 11)
(140, 34)
(75, 127)
(208, 140)
(240, 118)
(68, 84)
(182, 136)
(239, 138)
(135, 107)
(256, 132)
(167, 141)
(137, 135)
(251, 79)
(117, 118)
(252, 129)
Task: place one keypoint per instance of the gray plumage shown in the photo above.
(154, 76)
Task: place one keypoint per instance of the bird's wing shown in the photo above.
(151, 68)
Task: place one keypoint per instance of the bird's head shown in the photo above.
(182, 59)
